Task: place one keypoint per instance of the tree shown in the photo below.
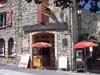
(63, 3)
(94, 4)
(83, 36)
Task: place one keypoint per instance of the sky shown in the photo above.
(87, 6)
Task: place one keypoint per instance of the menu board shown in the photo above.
(37, 61)
(62, 62)
(24, 60)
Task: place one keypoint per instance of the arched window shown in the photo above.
(10, 46)
(2, 47)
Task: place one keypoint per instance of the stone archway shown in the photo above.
(47, 53)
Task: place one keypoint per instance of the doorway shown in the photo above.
(45, 52)
(44, 55)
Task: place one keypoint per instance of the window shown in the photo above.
(2, 47)
(11, 50)
(64, 42)
(6, 18)
(2, 20)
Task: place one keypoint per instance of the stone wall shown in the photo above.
(26, 14)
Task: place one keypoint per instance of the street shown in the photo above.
(14, 70)
(11, 72)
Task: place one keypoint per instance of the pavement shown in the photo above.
(15, 70)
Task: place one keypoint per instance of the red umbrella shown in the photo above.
(41, 44)
(84, 44)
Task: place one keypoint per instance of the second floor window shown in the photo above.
(2, 20)
(6, 19)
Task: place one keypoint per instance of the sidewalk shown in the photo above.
(42, 72)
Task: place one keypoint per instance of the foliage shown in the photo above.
(89, 22)
(92, 38)
(94, 4)
(83, 36)
(63, 3)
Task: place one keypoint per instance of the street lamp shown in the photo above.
(79, 11)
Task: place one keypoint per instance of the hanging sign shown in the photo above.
(46, 10)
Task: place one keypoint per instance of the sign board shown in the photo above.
(24, 60)
(46, 10)
(91, 49)
(62, 62)
(37, 61)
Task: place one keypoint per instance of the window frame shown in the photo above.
(4, 20)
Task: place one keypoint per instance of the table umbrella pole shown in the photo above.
(85, 61)
(40, 57)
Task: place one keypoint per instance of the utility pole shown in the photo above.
(71, 35)
(73, 28)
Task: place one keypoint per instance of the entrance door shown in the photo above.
(46, 53)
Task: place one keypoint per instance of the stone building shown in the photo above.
(23, 23)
